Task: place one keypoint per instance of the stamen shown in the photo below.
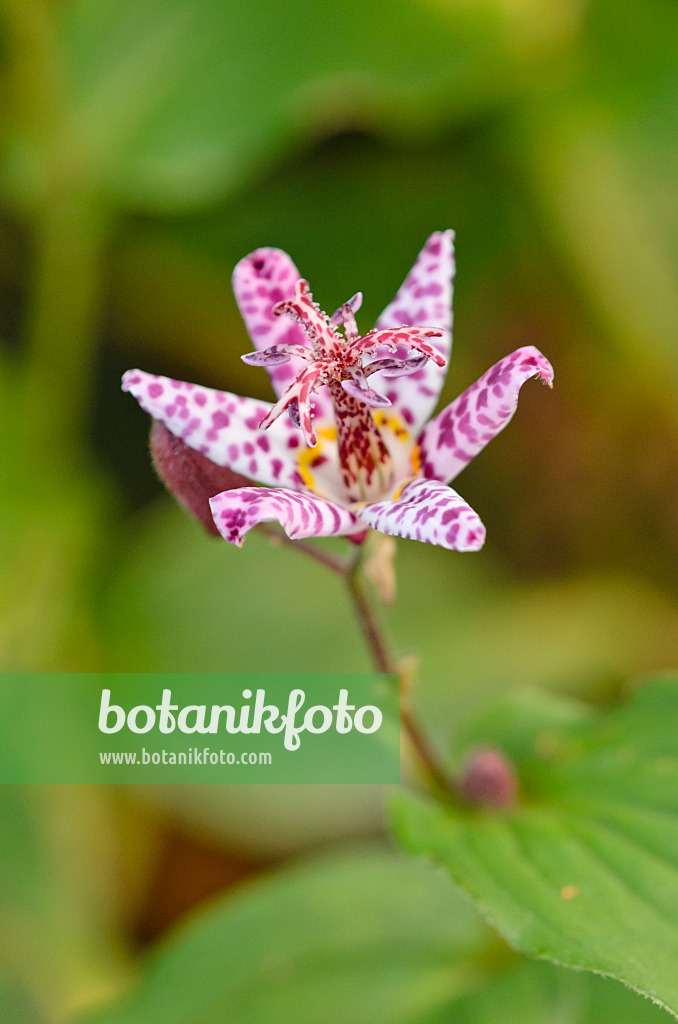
(299, 391)
(345, 315)
(360, 389)
(315, 323)
(275, 355)
(407, 337)
(293, 413)
(336, 362)
(267, 358)
(395, 367)
(352, 305)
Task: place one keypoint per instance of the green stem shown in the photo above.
(384, 661)
(382, 656)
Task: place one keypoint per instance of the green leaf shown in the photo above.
(584, 871)
(177, 101)
(369, 937)
(530, 992)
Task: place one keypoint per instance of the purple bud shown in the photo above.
(489, 779)
(190, 476)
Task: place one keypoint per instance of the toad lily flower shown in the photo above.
(349, 454)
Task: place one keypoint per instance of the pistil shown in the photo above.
(366, 466)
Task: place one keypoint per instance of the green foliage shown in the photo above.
(356, 953)
(584, 871)
(353, 951)
(173, 102)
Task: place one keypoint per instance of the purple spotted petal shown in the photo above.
(300, 515)
(261, 280)
(222, 426)
(428, 511)
(425, 299)
(459, 432)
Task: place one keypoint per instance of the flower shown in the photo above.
(350, 454)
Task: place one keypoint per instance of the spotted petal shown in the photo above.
(261, 280)
(459, 432)
(429, 511)
(222, 426)
(425, 299)
(300, 515)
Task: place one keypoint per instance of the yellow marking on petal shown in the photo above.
(392, 422)
(416, 459)
(308, 457)
(399, 490)
(401, 486)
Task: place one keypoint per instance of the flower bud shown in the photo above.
(190, 476)
(489, 779)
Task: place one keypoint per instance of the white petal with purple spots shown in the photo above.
(222, 426)
(428, 511)
(459, 432)
(301, 515)
(425, 298)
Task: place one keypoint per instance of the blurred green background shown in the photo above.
(145, 147)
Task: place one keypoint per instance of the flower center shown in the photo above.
(336, 361)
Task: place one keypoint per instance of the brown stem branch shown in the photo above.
(437, 774)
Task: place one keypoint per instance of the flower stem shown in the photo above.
(443, 782)
(367, 619)
(350, 570)
(385, 661)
